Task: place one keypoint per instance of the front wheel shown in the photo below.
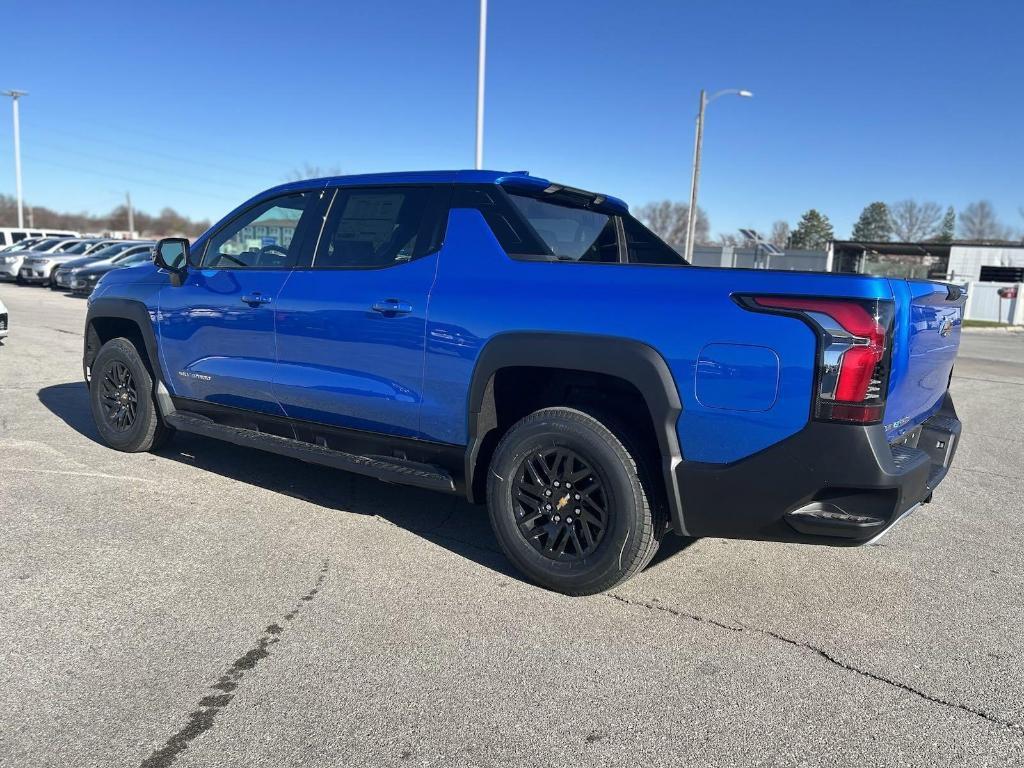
(121, 396)
(568, 502)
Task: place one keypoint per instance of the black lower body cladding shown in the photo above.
(828, 484)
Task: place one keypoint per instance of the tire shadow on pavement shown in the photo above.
(447, 521)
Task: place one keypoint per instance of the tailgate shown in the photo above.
(926, 336)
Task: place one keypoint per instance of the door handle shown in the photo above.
(392, 307)
(255, 298)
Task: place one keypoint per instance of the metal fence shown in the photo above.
(984, 303)
(751, 258)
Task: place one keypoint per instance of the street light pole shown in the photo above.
(15, 95)
(131, 214)
(481, 64)
(698, 140)
(698, 144)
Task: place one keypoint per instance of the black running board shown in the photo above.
(385, 468)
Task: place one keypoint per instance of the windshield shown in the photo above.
(136, 258)
(45, 244)
(112, 250)
(78, 248)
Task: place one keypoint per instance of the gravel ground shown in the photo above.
(217, 606)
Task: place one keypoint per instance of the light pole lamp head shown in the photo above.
(742, 92)
(14, 94)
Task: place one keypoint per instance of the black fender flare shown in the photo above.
(627, 359)
(136, 312)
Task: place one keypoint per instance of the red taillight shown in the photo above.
(852, 360)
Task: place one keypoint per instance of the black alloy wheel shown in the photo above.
(119, 396)
(562, 506)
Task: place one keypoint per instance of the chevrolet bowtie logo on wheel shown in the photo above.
(563, 501)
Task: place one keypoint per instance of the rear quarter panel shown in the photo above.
(681, 312)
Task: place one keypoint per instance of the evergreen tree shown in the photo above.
(948, 231)
(813, 232)
(874, 224)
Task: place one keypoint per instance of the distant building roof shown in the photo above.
(923, 248)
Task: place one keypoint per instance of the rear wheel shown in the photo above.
(568, 502)
(121, 396)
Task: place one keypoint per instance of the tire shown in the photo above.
(121, 398)
(538, 456)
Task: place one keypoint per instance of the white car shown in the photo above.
(3, 320)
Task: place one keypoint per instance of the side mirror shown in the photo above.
(172, 254)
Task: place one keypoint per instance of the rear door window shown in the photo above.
(379, 227)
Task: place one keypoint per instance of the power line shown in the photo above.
(155, 169)
(175, 139)
(141, 182)
(141, 150)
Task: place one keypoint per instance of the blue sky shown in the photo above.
(197, 105)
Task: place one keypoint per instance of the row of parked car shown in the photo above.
(69, 263)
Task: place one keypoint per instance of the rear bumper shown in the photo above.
(828, 484)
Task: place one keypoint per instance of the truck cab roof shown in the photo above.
(519, 180)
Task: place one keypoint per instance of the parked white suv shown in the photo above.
(3, 320)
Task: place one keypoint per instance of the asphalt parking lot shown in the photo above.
(216, 606)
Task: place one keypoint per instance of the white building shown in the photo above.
(966, 261)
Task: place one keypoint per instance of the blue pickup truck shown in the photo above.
(533, 346)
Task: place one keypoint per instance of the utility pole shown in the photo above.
(481, 64)
(131, 215)
(31, 218)
(15, 95)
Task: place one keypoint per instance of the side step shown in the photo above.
(385, 468)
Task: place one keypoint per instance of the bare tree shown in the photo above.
(978, 221)
(310, 171)
(779, 236)
(913, 221)
(668, 219)
(168, 222)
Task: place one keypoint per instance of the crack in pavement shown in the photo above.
(676, 612)
(823, 654)
(202, 718)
